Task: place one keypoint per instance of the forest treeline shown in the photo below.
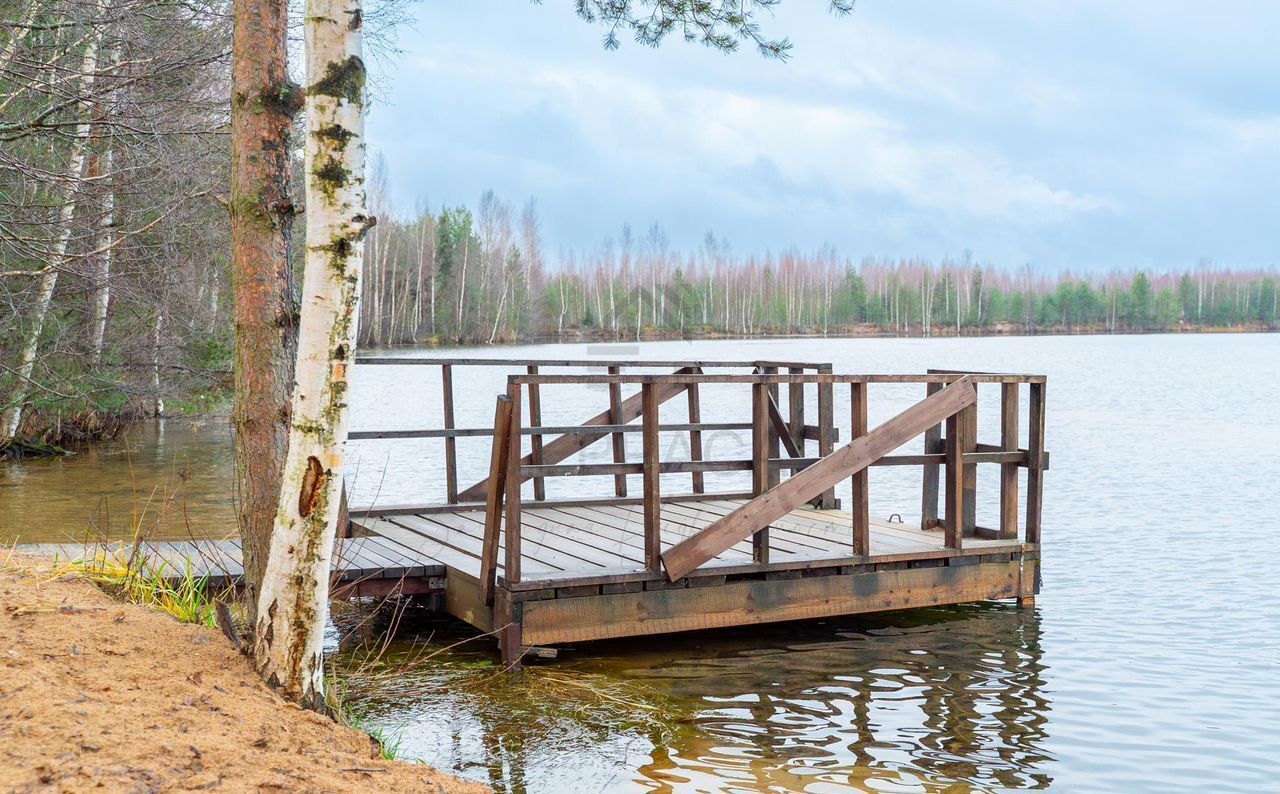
(455, 276)
(115, 271)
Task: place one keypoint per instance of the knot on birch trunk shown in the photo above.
(312, 482)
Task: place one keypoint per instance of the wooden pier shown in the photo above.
(675, 556)
(362, 567)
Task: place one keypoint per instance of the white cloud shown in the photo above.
(1069, 134)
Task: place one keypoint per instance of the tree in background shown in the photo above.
(111, 245)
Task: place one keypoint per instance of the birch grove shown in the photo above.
(109, 150)
(288, 636)
(626, 289)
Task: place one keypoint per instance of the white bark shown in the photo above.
(293, 604)
(157, 400)
(12, 416)
(102, 273)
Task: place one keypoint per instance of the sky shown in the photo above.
(1081, 136)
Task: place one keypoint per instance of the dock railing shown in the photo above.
(613, 422)
(950, 401)
(785, 472)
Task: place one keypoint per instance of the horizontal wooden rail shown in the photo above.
(600, 469)
(1019, 458)
(579, 362)
(770, 380)
(382, 511)
(810, 431)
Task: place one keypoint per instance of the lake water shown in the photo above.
(1151, 662)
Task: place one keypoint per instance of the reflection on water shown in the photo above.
(171, 477)
(939, 699)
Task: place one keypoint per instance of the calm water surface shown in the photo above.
(1151, 663)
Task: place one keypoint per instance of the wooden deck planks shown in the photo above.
(588, 542)
(221, 560)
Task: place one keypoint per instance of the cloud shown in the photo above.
(1065, 137)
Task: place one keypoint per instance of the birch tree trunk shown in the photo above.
(12, 417)
(102, 269)
(293, 602)
(263, 104)
(157, 399)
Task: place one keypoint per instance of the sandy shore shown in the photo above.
(96, 694)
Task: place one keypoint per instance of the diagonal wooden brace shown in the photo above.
(760, 512)
(493, 505)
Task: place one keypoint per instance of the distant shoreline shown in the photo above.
(841, 332)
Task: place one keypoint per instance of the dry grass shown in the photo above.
(132, 574)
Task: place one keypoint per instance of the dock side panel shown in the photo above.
(755, 601)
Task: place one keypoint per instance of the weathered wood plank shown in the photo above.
(795, 410)
(860, 504)
(785, 535)
(497, 484)
(782, 431)
(933, 445)
(824, 376)
(422, 546)
(618, 440)
(1009, 471)
(955, 515)
(608, 517)
(450, 442)
(779, 501)
(969, 418)
(1035, 471)
(652, 496)
(695, 435)
(751, 602)
(826, 431)
(535, 441)
(544, 542)
(584, 363)
(834, 529)
(763, 410)
(511, 518)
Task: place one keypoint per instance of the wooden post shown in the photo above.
(535, 441)
(618, 440)
(826, 430)
(695, 436)
(508, 617)
(493, 504)
(1035, 466)
(795, 409)
(932, 445)
(860, 507)
(774, 476)
(344, 514)
(1009, 471)
(955, 514)
(450, 443)
(760, 454)
(512, 565)
(652, 491)
(969, 417)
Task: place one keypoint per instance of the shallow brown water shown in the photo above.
(171, 477)
(1152, 662)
